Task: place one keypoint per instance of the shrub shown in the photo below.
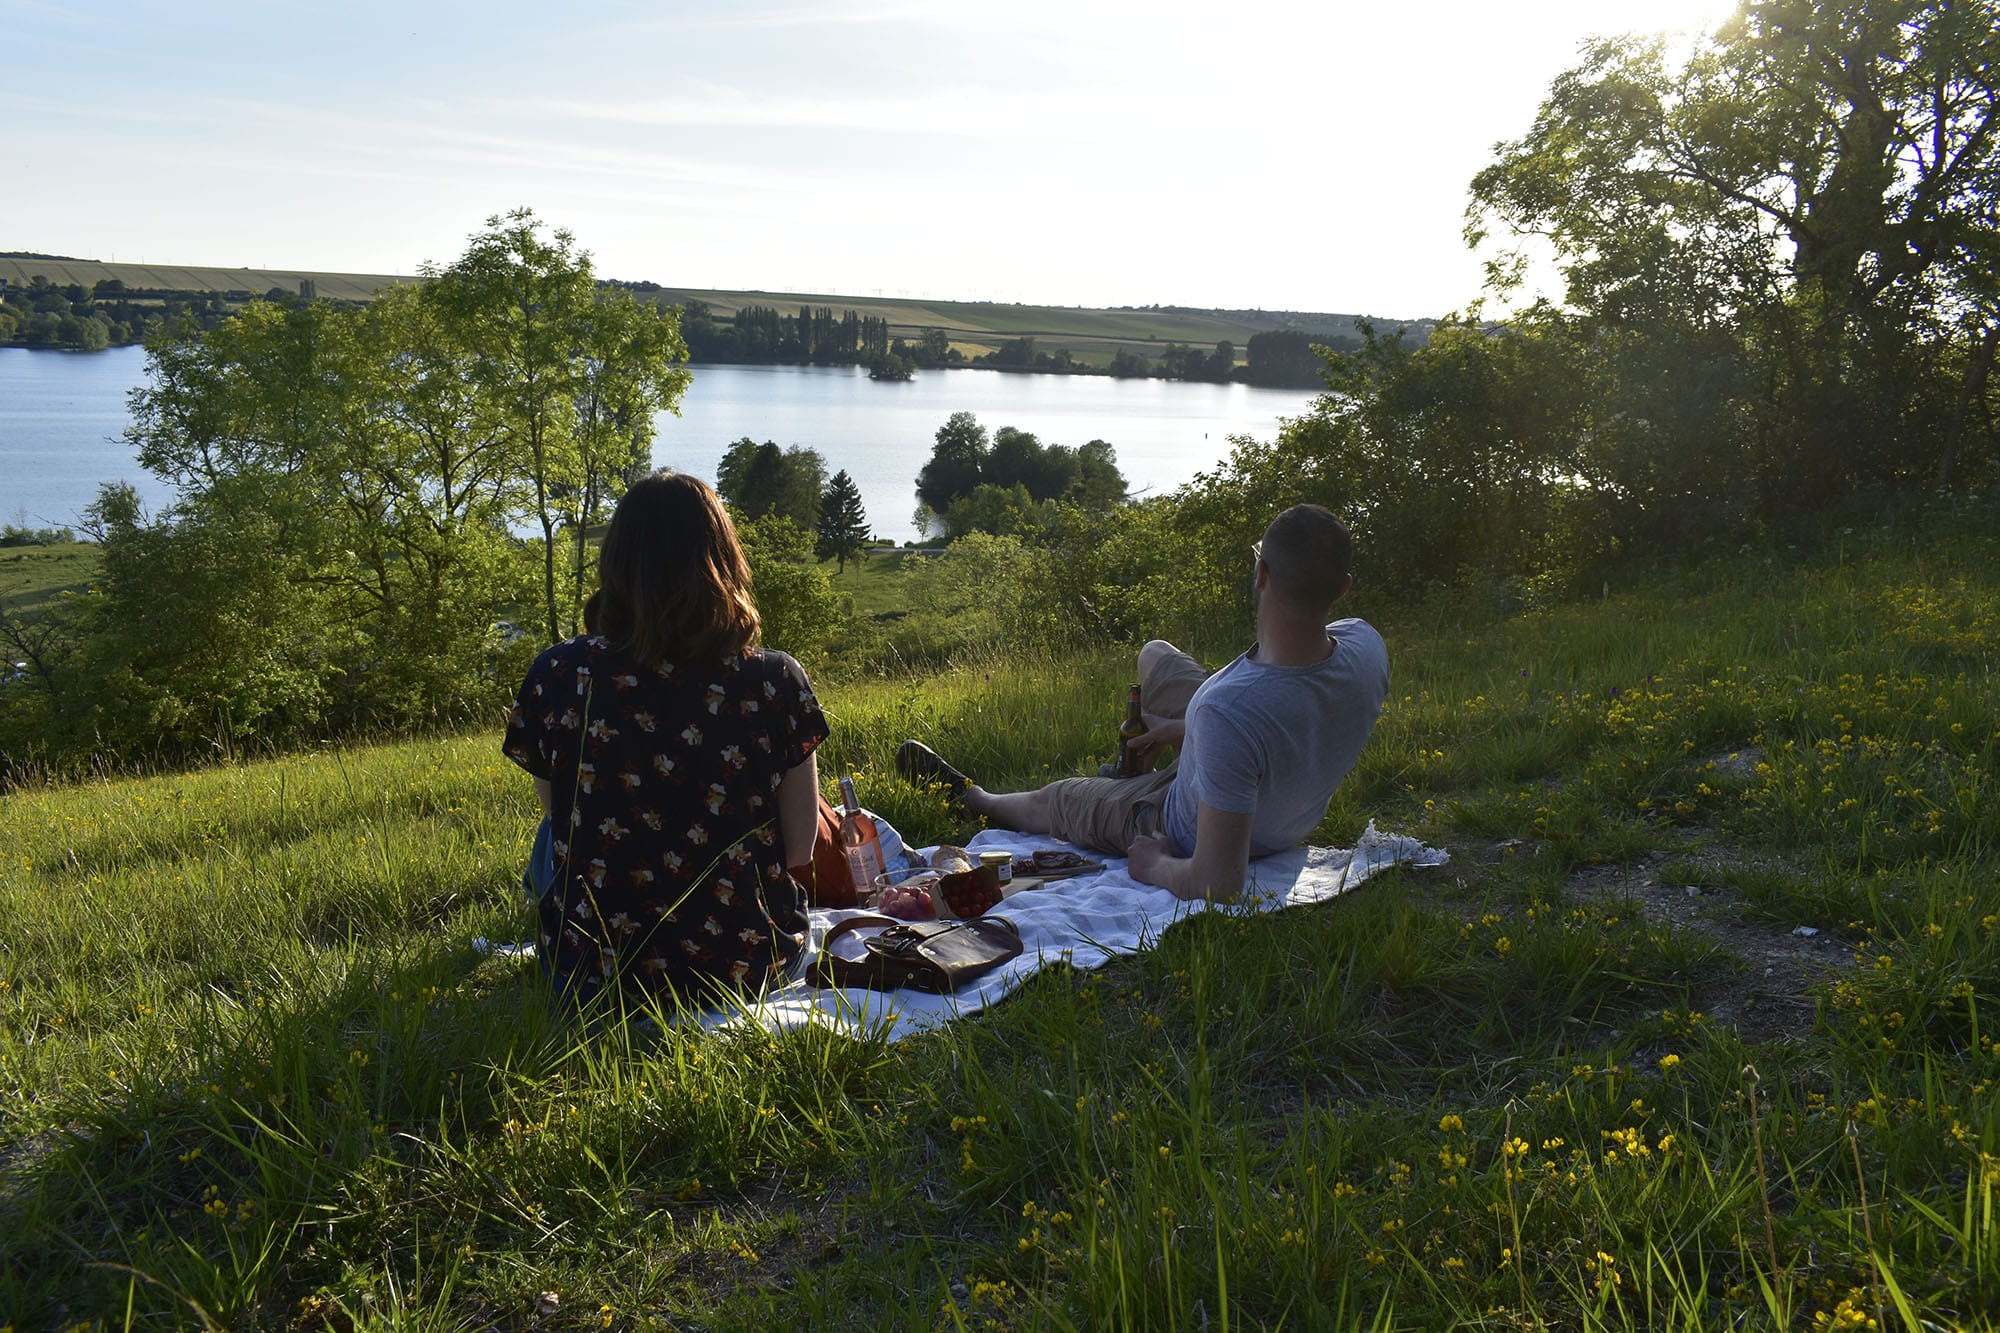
(800, 611)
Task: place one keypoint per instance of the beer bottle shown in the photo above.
(1133, 725)
(860, 844)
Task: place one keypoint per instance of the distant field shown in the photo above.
(1092, 335)
(172, 277)
(975, 326)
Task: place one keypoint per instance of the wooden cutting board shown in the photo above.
(1021, 883)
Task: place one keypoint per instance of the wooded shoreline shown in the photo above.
(1062, 339)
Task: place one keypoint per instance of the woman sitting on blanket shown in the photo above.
(674, 764)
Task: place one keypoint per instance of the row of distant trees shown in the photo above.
(1275, 358)
(754, 334)
(42, 313)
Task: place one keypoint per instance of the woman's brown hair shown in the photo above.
(673, 585)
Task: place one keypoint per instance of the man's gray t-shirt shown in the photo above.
(1274, 741)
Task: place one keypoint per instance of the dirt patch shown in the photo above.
(1763, 985)
(1737, 763)
(1763, 976)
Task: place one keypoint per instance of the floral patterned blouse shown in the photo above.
(670, 873)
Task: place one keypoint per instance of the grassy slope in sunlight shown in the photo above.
(252, 1069)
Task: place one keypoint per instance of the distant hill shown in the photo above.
(1090, 335)
(18, 268)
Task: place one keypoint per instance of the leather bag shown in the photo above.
(933, 956)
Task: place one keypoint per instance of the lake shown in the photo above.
(62, 415)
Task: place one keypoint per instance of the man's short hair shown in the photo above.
(1308, 551)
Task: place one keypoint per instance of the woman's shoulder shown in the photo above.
(577, 654)
(581, 661)
(775, 664)
(774, 660)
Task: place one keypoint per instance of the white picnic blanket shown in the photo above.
(1085, 921)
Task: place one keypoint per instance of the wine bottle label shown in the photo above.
(864, 863)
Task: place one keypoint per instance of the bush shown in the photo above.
(17, 534)
(801, 612)
(982, 594)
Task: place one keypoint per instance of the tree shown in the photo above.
(734, 478)
(1285, 359)
(1019, 457)
(1015, 353)
(1098, 484)
(955, 464)
(1815, 182)
(349, 484)
(352, 444)
(1001, 511)
(549, 352)
(37, 651)
(843, 522)
(759, 479)
(625, 373)
(933, 349)
(1181, 362)
(212, 629)
(890, 366)
(1126, 364)
(796, 603)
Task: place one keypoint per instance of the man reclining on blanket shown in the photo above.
(1262, 743)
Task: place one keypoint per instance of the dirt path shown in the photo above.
(1764, 975)
(1765, 988)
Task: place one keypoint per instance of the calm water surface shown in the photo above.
(62, 415)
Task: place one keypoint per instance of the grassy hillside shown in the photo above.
(32, 576)
(873, 583)
(1594, 1074)
(975, 326)
(194, 278)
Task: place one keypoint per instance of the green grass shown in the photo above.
(33, 577)
(873, 583)
(253, 1072)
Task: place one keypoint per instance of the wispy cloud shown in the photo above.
(971, 113)
(814, 16)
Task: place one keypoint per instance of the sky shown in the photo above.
(1240, 155)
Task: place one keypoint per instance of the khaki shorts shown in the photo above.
(1103, 814)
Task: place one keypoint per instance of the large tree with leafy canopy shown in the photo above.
(759, 479)
(1814, 181)
(956, 464)
(574, 372)
(350, 483)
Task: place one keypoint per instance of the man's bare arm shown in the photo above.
(1159, 732)
(1216, 871)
